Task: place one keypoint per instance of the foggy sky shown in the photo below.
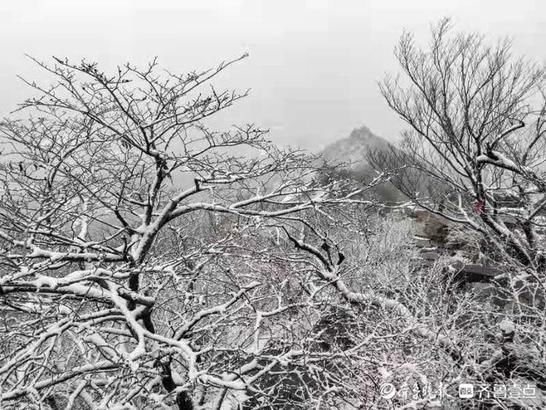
(313, 66)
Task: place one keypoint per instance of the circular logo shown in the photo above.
(387, 390)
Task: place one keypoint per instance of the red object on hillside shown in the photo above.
(478, 207)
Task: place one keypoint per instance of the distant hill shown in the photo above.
(354, 149)
(352, 153)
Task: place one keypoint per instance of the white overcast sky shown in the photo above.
(313, 66)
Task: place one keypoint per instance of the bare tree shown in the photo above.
(97, 309)
(476, 128)
(473, 153)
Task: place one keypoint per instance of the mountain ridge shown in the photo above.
(351, 152)
(349, 158)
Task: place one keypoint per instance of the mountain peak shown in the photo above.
(355, 147)
(362, 132)
(352, 155)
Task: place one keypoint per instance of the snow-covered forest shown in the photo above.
(151, 261)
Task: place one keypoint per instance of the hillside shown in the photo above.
(352, 153)
(353, 150)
